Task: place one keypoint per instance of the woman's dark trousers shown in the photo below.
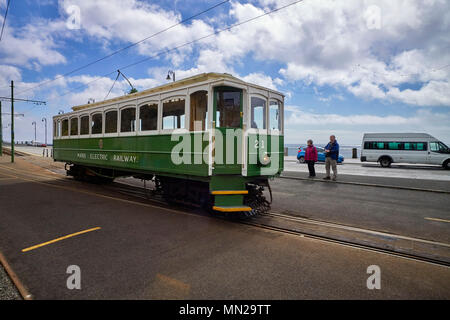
(312, 171)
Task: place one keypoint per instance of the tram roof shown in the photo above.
(203, 77)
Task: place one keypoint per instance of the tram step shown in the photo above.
(232, 209)
(228, 192)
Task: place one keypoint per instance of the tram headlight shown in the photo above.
(265, 160)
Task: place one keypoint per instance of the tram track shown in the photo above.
(359, 238)
(364, 184)
(365, 242)
(390, 244)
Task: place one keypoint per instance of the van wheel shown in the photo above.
(385, 162)
(446, 164)
(301, 160)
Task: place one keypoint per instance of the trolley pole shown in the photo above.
(12, 121)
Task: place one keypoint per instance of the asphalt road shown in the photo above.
(146, 252)
(419, 214)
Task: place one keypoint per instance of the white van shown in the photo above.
(387, 148)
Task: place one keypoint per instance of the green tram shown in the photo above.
(211, 140)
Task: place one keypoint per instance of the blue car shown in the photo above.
(320, 155)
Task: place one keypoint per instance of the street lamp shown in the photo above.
(34, 123)
(60, 111)
(45, 120)
(170, 73)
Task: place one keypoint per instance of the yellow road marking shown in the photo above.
(437, 219)
(59, 239)
(180, 285)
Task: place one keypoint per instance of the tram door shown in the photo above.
(227, 119)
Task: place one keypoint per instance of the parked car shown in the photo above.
(320, 155)
(387, 148)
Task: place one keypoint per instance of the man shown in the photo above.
(331, 156)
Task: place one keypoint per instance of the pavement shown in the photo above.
(7, 289)
(37, 151)
(369, 169)
(147, 252)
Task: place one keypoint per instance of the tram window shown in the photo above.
(74, 126)
(228, 110)
(84, 125)
(173, 114)
(258, 113)
(96, 123)
(199, 111)
(65, 127)
(275, 115)
(128, 120)
(55, 129)
(111, 121)
(148, 117)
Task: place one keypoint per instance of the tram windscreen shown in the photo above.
(228, 110)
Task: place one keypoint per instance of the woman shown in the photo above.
(311, 158)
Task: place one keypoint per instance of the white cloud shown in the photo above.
(7, 73)
(329, 43)
(33, 45)
(301, 125)
(132, 20)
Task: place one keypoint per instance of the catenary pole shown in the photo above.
(12, 121)
(1, 131)
(45, 120)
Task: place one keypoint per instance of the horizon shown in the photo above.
(366, 67)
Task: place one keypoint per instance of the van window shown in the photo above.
(438, 147)
(374, 145)
(394, 146)
(84, 125)
(421, 146)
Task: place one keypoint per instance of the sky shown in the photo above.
(346, 66)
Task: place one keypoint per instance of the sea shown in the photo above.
(345, 151)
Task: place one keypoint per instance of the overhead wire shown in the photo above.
(4, 20)
(125, 48)
(162, 52)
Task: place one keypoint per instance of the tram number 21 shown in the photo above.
(258, 145)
